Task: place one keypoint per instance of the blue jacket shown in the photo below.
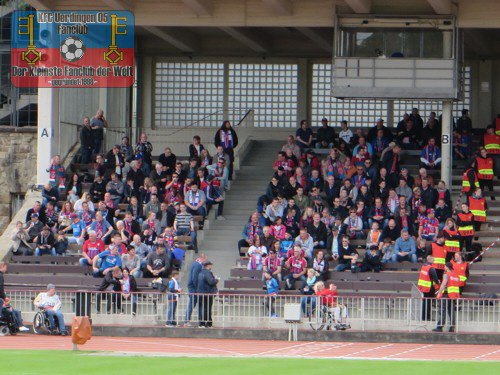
(194, 270)
(207, 283)
(272, 286)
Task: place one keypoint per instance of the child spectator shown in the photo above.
(272, 289)
(372, 260)
(172, 297)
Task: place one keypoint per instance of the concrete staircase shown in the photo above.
(220, 240)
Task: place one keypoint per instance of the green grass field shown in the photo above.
(21, 362)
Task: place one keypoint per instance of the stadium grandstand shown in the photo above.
(244, 171)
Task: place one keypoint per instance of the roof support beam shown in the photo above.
(200, 7)
(173, 38)
(248, 39)
(441, 6)
(280, 7)
(360, 6)
(316, 38)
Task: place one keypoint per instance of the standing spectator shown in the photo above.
(192, 285)
(297, 266)
(98, 188)
(227, 138)
(114, 162)
(405, 248)
(196, 147)
(325, 135)
(464, 123)
(272, 289)
(56, 173)
(87, 142)
(390, 161)
(172, 297)
(304, 136)
(206, 287)
(143, 150)
(98, 123)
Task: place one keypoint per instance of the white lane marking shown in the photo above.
(366, 350)
(487, 354)
(408, 351)
(284, 348)
(177, 345)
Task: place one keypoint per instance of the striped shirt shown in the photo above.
(183, 221)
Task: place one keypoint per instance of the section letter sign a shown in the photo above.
(72, 49)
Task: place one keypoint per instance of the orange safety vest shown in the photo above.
(492, 143)
(424, 279)
(453, 285)
(466, 230)
(461, 271)
(478, 209)
(497, 126)
(484, 168)
(451, 240)
(439, 254)
(466, 186)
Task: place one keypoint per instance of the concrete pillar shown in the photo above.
(447, 44)
(48, 128)
(302, 92)
(446, 143)
(390, 114)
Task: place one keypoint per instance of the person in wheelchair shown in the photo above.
(50, 303)
(9, 316)
(328, 302)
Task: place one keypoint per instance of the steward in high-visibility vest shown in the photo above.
(484, 167)
(478, 206)
(439, 254)
(465, 223)
(469, 181)
(491, 141)
(451, 238)
(450, 289)
(428, 281)
(461, 268)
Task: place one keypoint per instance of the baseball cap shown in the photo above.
(34, 215)
(380, 119)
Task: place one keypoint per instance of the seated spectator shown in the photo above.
(320, 265)
(423, 175)
(152, 206)
(387, 248)
(256, 252)
(152, 223)
(168, 161)
(305, 242)
(318, 231)
(379, 144)
(325, 135)
(292, 145)
(363, 144)
(443, 193)
(354, 225)
(195, 201)
(101, 227)
(158, 263)
(141, 249)
(51, 304)
(86, 198)
(379, 213)
(77, 228)
(159, 176)
(347, 256)
(429, 227)
(274, 210)
(272, 264)
(304, 136)
(405, 248)
(215, 196)
(392, 202)
(50, 194)
(136, 209)
(91, 248)
(308, 304)
(115, 187)
(315, 182)
(252, 228)
(220, 173)
(278, 230)
(184, 225)
(338, 210)
(132, 262)
(98, 188)
(402, 205)
(431, 155)
(126, 149)
(34, 228)
(373, 237)
(408, 178)
(52, 216)
(358, 160)
(362, 212)
(391, 230)
(267, 239)
(403, 221)
(462, 143)
(45, 242)
(61, 243)
(298, 267)
(421, 250)
(20, 239)
(346, 133)
(372, 261)
(284, 249)
(106, 261)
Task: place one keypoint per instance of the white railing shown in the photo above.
(261, 311)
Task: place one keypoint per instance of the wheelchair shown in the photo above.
(41, 324)
(7, 325)
(326, 319)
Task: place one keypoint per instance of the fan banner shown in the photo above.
(72, 49)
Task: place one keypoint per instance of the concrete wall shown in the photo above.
(17, 165)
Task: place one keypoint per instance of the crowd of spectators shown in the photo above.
(361, 196)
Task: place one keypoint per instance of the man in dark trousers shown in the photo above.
(207, 287)
(192, 285)
(86, 142)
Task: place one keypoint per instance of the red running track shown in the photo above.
(255, 348)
